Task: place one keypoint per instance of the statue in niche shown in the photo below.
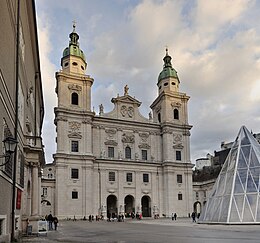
(126, 90)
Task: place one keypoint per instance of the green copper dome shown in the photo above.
(73, 48)
(168, 70)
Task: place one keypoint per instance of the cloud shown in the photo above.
(47, 73)
(215, 48)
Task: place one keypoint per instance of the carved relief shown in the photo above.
(167, 130)
(74, 129)
(129, 111)
(177, 141)
(61, 118)
(87, 120)
(123, 110)
(74, 87)
(144, 146)
(176, 104)
(186, 133)
(111, 142)
(128, 138)
(144, 137)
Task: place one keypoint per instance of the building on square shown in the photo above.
(120, 162)
(21, 117)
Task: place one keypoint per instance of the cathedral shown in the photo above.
(118, 162)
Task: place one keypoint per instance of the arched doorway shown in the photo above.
(197, 208)
(146, 206)
(129, 205)
(111, 206)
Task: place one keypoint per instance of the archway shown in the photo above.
(197, 208)
(129, 205)
(146, 206)
(111, 206)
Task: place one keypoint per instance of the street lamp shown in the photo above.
(9, 146)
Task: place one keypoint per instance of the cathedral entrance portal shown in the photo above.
(197, 208)
(146, 206)
(112, 206)
(129, 205)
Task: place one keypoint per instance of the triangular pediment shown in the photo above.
(126, 99)
(237, 186)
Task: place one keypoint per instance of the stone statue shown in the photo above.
(150, 115)
(126, 90)
(101, 109)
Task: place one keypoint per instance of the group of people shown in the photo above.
(174, 216)
(52, 220)
(114, 217)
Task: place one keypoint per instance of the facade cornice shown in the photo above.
(74, 76)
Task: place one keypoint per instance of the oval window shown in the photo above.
(74, 64)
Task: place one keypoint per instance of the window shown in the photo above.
(173, 83)
(176, 114)
(74, 64)
(144, 154)
(205, 193)
(197, 194)
(179, 196)
(74, 99)
(111, 176)
(179, 178)
(1, 226)
(74, 173)
(128, 152)
(129, 177)
(82, 68)
(165, 84)
(74, 146)
(146, 178)
(159, 117)
(66, 64)
(44, 191)
(178, 155)
(74, 195)
(110, 152)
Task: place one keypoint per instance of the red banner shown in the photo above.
(18, 199)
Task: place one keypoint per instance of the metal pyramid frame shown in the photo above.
(235, 197)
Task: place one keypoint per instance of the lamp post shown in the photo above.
(10, 146)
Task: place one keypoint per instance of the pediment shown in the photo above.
(126, 99)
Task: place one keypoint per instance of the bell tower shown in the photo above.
(170, 111)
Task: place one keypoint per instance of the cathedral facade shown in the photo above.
(120, 162)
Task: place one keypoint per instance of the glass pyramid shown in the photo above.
(235, 196)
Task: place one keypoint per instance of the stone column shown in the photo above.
(35, 189)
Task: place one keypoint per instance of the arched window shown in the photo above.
(128, 152)
(176, 114)
(74, 99)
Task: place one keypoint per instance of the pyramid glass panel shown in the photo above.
(235, 197)
(240, 203)
(241, 162)
(234, 217)
(247, 214)
(238, 186)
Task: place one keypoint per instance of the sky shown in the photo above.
(214, 45)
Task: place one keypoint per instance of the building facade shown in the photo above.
(120, 162)
(20, 80)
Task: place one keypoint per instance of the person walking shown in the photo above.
(50, 220)
(175, 216)
(55, 221)
(193, 216)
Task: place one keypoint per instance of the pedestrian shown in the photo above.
(50, 220)
(55, 221)
(175, 216)
(193, 216)
(172, 216)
